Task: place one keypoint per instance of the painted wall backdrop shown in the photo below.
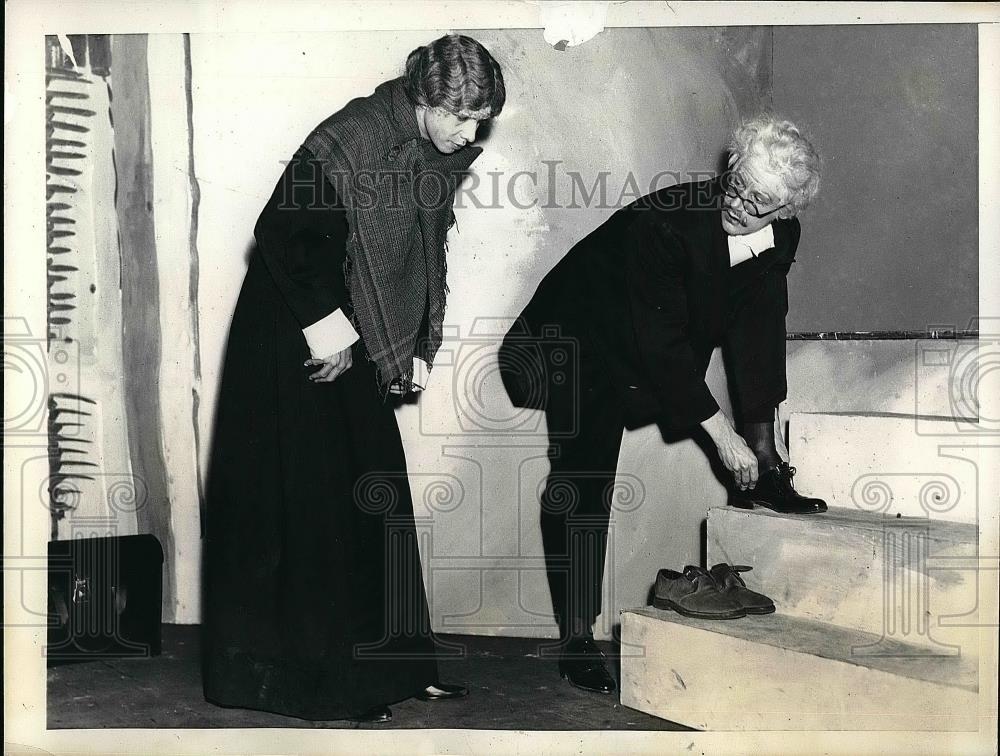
(619, 110)
(893, 244)
(186, 139)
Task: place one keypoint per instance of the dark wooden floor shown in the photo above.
(511, 689)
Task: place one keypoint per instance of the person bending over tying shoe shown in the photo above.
(643, 300)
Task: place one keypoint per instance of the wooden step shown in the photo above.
(915, 580)
(776, 672)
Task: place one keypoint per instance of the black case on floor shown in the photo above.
(104, 598)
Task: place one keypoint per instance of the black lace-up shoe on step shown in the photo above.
(775, 491)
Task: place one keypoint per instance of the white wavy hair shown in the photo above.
(770, 146)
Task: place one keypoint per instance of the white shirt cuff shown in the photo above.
(421, 374)
(332, 334)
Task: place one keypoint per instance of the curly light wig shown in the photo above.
(767, 146)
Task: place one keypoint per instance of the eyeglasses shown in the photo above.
(733, 185)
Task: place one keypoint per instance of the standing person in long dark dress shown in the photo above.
(314, 598)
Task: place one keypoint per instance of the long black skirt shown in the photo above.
(314, 600)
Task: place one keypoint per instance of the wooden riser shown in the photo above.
(775, 672)
(889, 464)
(913, 580)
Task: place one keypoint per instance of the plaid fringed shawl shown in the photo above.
(398, 191)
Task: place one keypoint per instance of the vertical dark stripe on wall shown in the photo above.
(140, 289)
(770, 79)
(193, 277)
(99, 47)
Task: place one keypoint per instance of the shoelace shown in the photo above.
(734, 570)
(786, 480)
(692, 573)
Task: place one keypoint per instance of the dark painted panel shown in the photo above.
(891, 244)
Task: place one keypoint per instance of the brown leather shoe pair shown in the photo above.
(719, 593)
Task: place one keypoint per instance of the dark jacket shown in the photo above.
(643, 300)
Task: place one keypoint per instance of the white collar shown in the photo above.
(758, 241)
